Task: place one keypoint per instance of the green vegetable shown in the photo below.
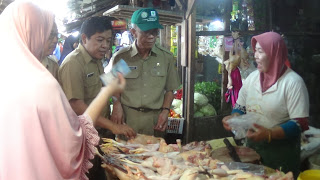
(198, 114)
(176, 103)
(200, 99)
(211, 90)
(195, 107)
(208, 110)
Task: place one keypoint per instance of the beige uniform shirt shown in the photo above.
(51, 65)
(149, 78)
(79, 76)
(146, 85)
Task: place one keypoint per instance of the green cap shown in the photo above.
(146, 19)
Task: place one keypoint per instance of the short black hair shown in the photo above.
(95, 24)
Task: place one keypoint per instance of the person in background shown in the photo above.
(41, 137)
(70, 44)
(57, 52)
(144, 104)
(79, 76)
(49, 60)
(106, 59)
(278, 94)
(60, 46)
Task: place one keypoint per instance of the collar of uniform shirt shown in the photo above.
(86, 55)
(154, 50)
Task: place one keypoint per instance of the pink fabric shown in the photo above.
(40, 135)
(232, 94)
(236, 84)
(276, 50)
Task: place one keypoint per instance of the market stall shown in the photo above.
(205, 50)
(148, 157)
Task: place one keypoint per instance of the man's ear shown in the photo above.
(83, 38)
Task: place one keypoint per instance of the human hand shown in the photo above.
(117, 113)
(258, 134)
(117, 85)
(162, 121)
(225, 123)
(123, 129)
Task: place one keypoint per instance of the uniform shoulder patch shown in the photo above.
(163, 49)
(122, 50)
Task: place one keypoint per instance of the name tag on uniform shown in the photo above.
(133, 67)
(90, 74)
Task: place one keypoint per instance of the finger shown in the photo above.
(164, 128)
(122, 80)
(257, 126)
(157, 127)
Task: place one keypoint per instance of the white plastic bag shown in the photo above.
(241, 124)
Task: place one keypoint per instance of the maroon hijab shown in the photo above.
(277, 53)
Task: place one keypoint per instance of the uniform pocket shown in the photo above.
(132, 80)
(158, 76)
(132, 75)
(92, 86)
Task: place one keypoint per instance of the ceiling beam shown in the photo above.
(181, 4)
(190, 7)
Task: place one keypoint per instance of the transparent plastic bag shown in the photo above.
(241, 124)
(246, 167)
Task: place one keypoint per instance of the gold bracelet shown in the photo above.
(269, 135)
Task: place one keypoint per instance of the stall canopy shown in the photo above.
(125, 12)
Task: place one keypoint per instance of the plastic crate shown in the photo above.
(175, 125)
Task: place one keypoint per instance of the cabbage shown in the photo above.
(200, 99)
(195, 107)
(178, 110)
(208, 110)
(198, 114)
(176, 103)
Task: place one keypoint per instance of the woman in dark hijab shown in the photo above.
(69, 45)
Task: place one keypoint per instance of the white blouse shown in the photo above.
(286, 99)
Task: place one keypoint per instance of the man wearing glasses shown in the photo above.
(145, 102)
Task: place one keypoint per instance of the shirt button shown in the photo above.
(144, 95)
(144, 84)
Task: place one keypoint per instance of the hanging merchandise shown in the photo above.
(174, 41)
(250, 15)
(235, 16)
(212, 46)
(234, 76)
(116, 43)
(244, 21)
(203, 44)
(126, 38)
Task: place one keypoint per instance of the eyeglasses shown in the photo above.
(153, 32)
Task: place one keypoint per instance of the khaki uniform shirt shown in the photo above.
(149, 78)
(51, 65)
(79, 76)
